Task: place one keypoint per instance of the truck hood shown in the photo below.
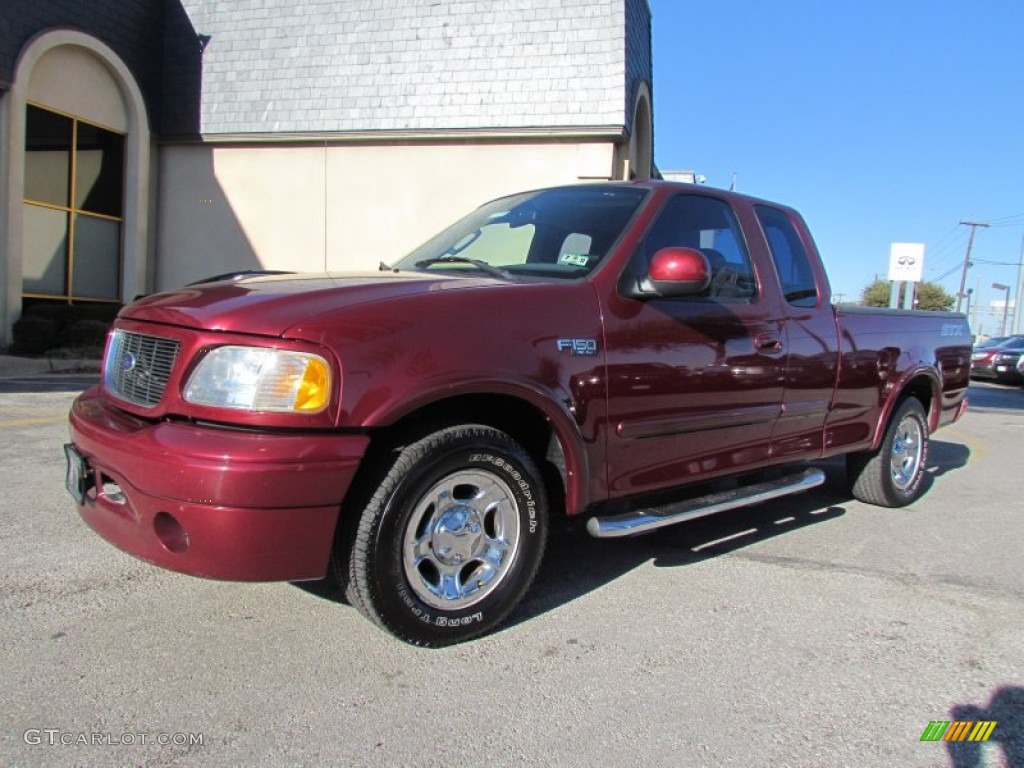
(268, 306)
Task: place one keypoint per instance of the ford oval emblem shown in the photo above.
(128, 362)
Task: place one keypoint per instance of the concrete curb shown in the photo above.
(11, 366)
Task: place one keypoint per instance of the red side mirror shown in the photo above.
(679, 272)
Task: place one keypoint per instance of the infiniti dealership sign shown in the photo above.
(906, 262)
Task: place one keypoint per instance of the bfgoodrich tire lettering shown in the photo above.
(893, 475)
(451, 538)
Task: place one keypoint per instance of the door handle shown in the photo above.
(767, 342)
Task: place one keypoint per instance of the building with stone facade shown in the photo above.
(148, 143)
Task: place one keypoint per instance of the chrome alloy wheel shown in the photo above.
(461, 540)
(907, 452)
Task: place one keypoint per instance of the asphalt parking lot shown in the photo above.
(810, 631)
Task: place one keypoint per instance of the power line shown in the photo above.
(997, 263)
(940, 258)
(946, 274)
(947, 250)
(1004, 219)
(951, 232)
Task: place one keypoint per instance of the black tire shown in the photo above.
(450, 539)
(893, 476)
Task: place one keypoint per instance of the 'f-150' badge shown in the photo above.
(584, 347)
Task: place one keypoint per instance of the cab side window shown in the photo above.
(790, 257)
(708, 224)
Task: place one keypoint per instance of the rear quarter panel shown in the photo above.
(882, 353)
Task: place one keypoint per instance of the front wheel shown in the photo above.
(451, 538)
(893, 475)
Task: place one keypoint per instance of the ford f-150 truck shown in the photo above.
(594, 352)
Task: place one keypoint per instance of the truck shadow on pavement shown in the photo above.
(945, 457)
(576, 564)
(1006, 708)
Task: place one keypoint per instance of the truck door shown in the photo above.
(812, 339)
(694, 383)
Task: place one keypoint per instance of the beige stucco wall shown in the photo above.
(310, 208)
(73, 80)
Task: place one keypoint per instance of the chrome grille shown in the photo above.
(137, 366)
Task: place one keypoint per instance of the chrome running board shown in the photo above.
(644, 520)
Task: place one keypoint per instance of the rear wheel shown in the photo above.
(893, 475)
(450, 539)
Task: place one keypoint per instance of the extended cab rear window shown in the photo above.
(790, 257)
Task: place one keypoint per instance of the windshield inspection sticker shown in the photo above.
(574, 259)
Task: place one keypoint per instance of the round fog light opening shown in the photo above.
(170, 532)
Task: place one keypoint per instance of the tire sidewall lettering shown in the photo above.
(520, 482)
(400, 506)
(910, 492)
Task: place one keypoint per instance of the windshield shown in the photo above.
(995, 341)
(561, 233)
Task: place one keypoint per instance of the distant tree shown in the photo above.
(876, 294)
(934, 297)
(930, 296)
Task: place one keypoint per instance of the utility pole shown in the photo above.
(967, 258)
(1020, 287)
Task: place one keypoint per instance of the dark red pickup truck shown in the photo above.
(577, 351)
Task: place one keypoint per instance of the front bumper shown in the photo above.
(212, 502)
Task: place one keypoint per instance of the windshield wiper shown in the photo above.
(481, 265)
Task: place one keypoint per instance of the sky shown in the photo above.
(881, 121)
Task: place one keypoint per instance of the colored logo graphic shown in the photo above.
(958, 730)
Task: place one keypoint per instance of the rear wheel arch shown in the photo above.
(893, 473)
(925, 388)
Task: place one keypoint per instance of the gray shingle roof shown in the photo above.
(412, 65)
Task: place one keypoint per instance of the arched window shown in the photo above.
(74, 201)
(73, 207)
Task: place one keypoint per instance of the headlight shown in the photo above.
(260, 379)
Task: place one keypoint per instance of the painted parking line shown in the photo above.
(50, 411)
(977, 446)
(28, 416)
(31, 422)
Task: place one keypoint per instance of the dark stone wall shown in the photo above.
(638, 55)
(152, 37)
